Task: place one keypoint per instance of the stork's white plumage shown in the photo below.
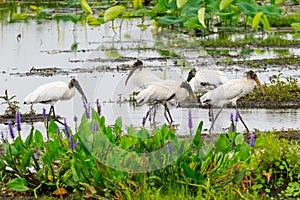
(205, 79)
(230, 92)
(52, 92)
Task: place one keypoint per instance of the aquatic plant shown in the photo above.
(12, 105)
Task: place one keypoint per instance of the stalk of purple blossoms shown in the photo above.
(237, 116)
(98, 107)
(18, 121)
(169, 147)
(94, 127)
(87, 108)
(252, 140)
(232, 126)
(77, 143)
(2, 135)
(11, 131)
(72, 142)
(66, 128)
(143, 121)
(190, 120)
(75, 119)
(44, 115)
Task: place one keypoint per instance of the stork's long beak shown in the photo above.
(80, 90)
(259, 85)
(130, 74)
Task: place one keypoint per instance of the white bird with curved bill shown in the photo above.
(206, 79)
(230, 92)
(160, 93)
(52, 92)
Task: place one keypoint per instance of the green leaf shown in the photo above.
(181, 3)
(239, 177)
(248, 8)
(239, 139)
(52, 129)
(93, 21)
(2, 164)
(244, 151)
(26, 159)
(256, 20)
(265, 22)
(201, 15)
(18, 184)
(188, 172)
(197, 139)
(224, 4)
(73, 18)
(113, 12)
(296, 26)
(38, 139)
(168, 20)
(35, 8)
(223, 143)
(29, 139)
(270, 10)
(137, 4)
(86, 7)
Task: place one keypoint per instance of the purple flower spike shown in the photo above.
(75, 119)
(252, 140)
(2, 135)
(44, 114)
(11, 131)
(231, 117)
(237, 116)
(98, 107)
(77, 143)
(144, 121)
(87, 108)
(190, 120)
(94, 127)
(66, 128)
(18, 121)
(72, 142)
(169, 147)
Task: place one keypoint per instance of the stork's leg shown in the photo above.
(213, 122)
(165, 113)
(238, 113)
(49, 115)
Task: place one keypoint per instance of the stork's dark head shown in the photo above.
(74, 83)
(251, 75)
(136, 65)
(191, 74)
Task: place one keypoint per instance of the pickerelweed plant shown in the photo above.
(100, 160)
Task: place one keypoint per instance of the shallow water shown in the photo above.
(49, 45)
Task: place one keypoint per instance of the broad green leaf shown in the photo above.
(168, 20)
(201, 15)
(296, 35)
(256, 20)
(239, 139)
(29, 138)
(224, 4)
(270, 10)
(223, 143)
(26, 159)
(192, 22)
(38, 139)
(73, 18)
(19, 16)
(18, 184)
(113, 12)
(249, 8)
(52, 129)
(86, 7)
(239, 177)
(181, 3)
(296, 26)
(244, 151)
(265, 22)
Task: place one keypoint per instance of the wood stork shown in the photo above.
(203, 80)
(160, 93)
(52, 92)
(230, 92)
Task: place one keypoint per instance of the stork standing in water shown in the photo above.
(230, 92)
(50, 93)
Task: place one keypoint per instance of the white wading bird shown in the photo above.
(206, 79)
(159, 93)
(230, 92)
(50, 93)
(142, 78)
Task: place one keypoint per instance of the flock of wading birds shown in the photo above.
(155, 90)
